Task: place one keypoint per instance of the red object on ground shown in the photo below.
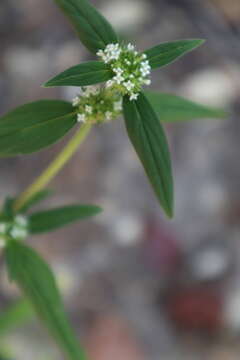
(196, 308)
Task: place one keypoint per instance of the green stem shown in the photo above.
(52, 170)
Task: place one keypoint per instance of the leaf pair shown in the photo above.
(37, 125)
(94, 72)
(35, 278)
(95, 32)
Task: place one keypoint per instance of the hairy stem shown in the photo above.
(56, 165)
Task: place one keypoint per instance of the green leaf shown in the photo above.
(165, 53)
(7, 213)
(148, 138)
(44, 221)
(171, 108)
(38, 284)
(35, 199)
(89, 73)
(15, 315)
(93, 29)
(34, 126)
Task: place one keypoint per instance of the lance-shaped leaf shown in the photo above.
(34, 126)
(172, 108)
(93, 29)
(148, 138)
(89, 73)
(44, 221)
(165, 53)
(38, 284)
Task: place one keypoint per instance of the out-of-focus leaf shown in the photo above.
(148, 138)
(93, 29)
(89, 73)
(38, 284)
(171, 108)
(34, 126)
(165, 53)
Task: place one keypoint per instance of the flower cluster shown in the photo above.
(96, 104)
(16, 228)
(131, 69)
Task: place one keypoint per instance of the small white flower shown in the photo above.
(100, 53)
(91, 90)
(133, 96)
(118, 79)
(145, 68)
(81, 118)
(88, 109)
(145, 63)
(144, 56)
(109, 83)
(118, 71)
(21, 220)
(75, 101)
(128, 85)
(130, 47)
(111, 52)
(145, 72)
(127, 62)
(147, 81)
(17, 232)
(108, 115)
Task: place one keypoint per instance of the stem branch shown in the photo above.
(52, 170)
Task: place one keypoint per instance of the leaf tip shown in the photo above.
(47, 84)
(199, 42)
(169, 211)
(98, 209)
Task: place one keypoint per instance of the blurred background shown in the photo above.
(136, 286)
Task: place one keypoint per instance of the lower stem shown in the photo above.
(52, 170)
